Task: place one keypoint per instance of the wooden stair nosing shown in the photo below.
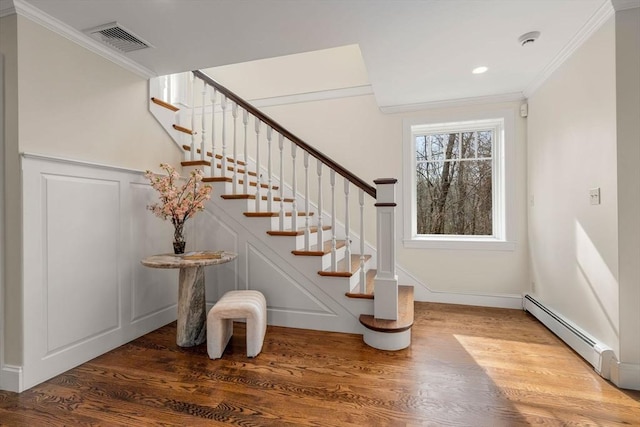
(195, 163)
(405, 315)
(240, 171)
(358, 295)
(216, 179)
(184, 130)
(368, 291)
(326, 249)
(272, 214)
(218, 156)
(254, 184)
(164, 104)
(229, 179)
(253, 197)
(298, 232)
(355, 266)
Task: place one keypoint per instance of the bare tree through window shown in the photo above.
(454, 193)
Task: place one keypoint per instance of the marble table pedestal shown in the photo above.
(192, 315)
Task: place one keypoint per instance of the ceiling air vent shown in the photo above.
(118, 37)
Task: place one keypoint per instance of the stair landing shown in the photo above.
(387, 334)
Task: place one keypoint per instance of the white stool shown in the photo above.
(249, 305)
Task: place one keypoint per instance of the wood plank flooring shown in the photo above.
(467, 366)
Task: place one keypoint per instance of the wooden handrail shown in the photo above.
(358, 182)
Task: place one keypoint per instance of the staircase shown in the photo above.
(261, 195)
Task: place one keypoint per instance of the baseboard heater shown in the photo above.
(597, 354)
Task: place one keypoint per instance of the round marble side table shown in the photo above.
(192, 316)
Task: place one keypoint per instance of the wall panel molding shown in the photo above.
(85, 229)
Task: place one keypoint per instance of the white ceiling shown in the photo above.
(414, 51)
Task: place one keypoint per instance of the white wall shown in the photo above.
(76, 104)
(628, 157)
(357, 135)
(571, 149)
(12, 209)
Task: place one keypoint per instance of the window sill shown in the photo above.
(459, 243)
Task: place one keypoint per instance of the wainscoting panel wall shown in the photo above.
(80, 258)
(85, 230)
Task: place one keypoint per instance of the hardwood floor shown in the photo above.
(467, 366)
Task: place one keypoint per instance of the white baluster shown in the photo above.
(245, 183)
(281, 214)
(192, 155)
(214, 94)
(269, 171)
(334, 260)
(203, 151)
(347, 231)
(169, 89)
(320, 238)
(307, 226)
(363, 275)
(258, 183)
(294, 205)
(234, 113)
(223, 163)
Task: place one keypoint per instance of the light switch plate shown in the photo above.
(594, 196)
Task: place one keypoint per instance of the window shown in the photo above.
(457, 187)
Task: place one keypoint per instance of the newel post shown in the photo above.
(386, 280)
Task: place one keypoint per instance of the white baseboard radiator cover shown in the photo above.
(600, 356)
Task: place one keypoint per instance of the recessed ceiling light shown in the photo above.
(480, 70)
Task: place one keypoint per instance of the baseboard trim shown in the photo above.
(11, 378)
(626, 375)
(424, 294)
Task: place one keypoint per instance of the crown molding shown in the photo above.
(6, 8)
(24, 9)
(619, 5)
(453, 103)
(346, 92)
(594, 23)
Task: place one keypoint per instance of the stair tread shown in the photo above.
(298, 232)
(354, 265)
(229, 179)
(368, 291)
(164, 104)
(240, 170)
(218, 156)
(262, 185)
(195, 163)
(184, 130)
(315, 251)
(253, 197)
(405, 314)
(216, 179)
(272, 214)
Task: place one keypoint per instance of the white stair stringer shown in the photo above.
(297, 296)
(166, 118)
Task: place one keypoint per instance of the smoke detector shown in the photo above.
(529, 38)
(116, 36)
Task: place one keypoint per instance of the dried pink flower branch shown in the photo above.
(178, 202)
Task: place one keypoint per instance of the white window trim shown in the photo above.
(504, 185)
